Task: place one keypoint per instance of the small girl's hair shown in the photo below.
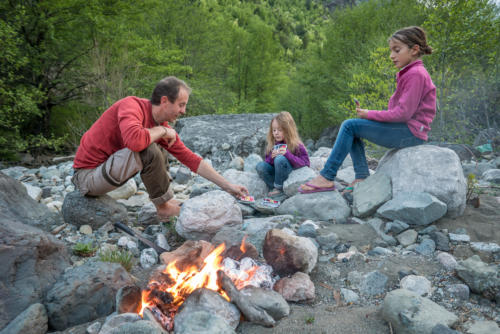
(413, 36)
(287, 125)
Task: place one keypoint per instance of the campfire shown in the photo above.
(221, 271)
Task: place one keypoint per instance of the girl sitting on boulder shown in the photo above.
(405, 123)
(284, 153)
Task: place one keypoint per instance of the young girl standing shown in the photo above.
(405, 123)
(284, 153)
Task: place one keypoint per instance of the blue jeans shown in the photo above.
(274, 176)
(391, 135)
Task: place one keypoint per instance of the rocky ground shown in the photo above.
(363, 266)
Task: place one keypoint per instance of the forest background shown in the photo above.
(64, 62)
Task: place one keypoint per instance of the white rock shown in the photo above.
(33, 191)
(123, 241)
(418, 284)
(55, 206)
(447, 260)
(86, 229)
(125, 191)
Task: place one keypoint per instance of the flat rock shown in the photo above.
(370, 194)
(418, 284)
(297, 288)
(317, 206)
(255, 185)
(296, 178)
(482, 278)
(270, 301)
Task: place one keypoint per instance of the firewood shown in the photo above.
(251, 311)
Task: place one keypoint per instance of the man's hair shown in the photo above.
(168, 87)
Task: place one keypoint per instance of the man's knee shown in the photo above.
(150, 154)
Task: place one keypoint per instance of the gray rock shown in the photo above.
(116, 320)
(31, 321)
(183, 175)
(203, 216)
(378, 226)
(442, 329)
(447, 260)
(418, 284)
(147, 215)
(138, 327)
(237, 163)
(256, 187)
(161, 240)
(458, 291)
(246, 133)
(476, 168)
(414, 208)
(149, 258)
(307, 229)
(373, 283)
(380, 251)
(370, 194)
(492, 175)
(487, 249)
(428, 230)
(31, 261)
(128, 299)
(251, 162)
(412, 314)
(257, 228)
(407, 238)
(326, 238)
(441, 240)
(324, 152)
(296, 178)
(395, 227)
(317, 163)
(33, 191)
(430, 169)
(200, 322)
(426, 247)
(94, 328)
(354, 278)
(15, 203)
(318, 206)
(81, 210)
(297, 288)
(214, 303)
(85, 293)
(270, 301)
(457, 238)
(349, 296)
(481, 327)
(480, 277)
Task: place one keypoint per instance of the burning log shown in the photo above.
(251, 311)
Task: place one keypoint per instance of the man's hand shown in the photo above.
(236, 190)
(170, 136)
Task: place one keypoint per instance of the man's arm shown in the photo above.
(207, 171)
(160, 131)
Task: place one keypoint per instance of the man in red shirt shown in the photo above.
(127, 138)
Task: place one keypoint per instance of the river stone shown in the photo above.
(296, 178)
(317, 206)
(441, 240)
(442, 329)
(251, 162)
(203, 216)
(31, 321)
(409, 313)
(200, 322)
(85, 293)
(418, 284)
(481, 327)
(212, 302)
(33, 191)
(128, 299)
(373, 283)
(116, 320)
(378, 226)
(124, 191)
(81, 210)
(317, 163)
(31, 261)
(492, 175)
(370, 194)
(255, 185)
(270, 301)
(407, 238)
(460, 291)
(137, 327)
(349, 296)
(246, 133)
(447, 260)
(479, 276)
(149, 258)
(297, 288)
(288, 254)
(17, 204)
(426, 247)
(430, 169)
(257, 228)
(419, 209)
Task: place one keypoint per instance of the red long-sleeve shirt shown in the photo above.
(125, 124)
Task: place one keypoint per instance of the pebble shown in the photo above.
(458, 237)
(86, 229)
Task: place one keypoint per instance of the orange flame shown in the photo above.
(243, 249)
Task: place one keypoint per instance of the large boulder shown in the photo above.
(16, 203)
(32, 321)
(427, 168)
(370, 194)
(31, 262)
(221, 137)
(296, 178)
(85, 293)
(203, 216)
(94, 211)
(409, 313)
(320, 206)
(255, 185)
